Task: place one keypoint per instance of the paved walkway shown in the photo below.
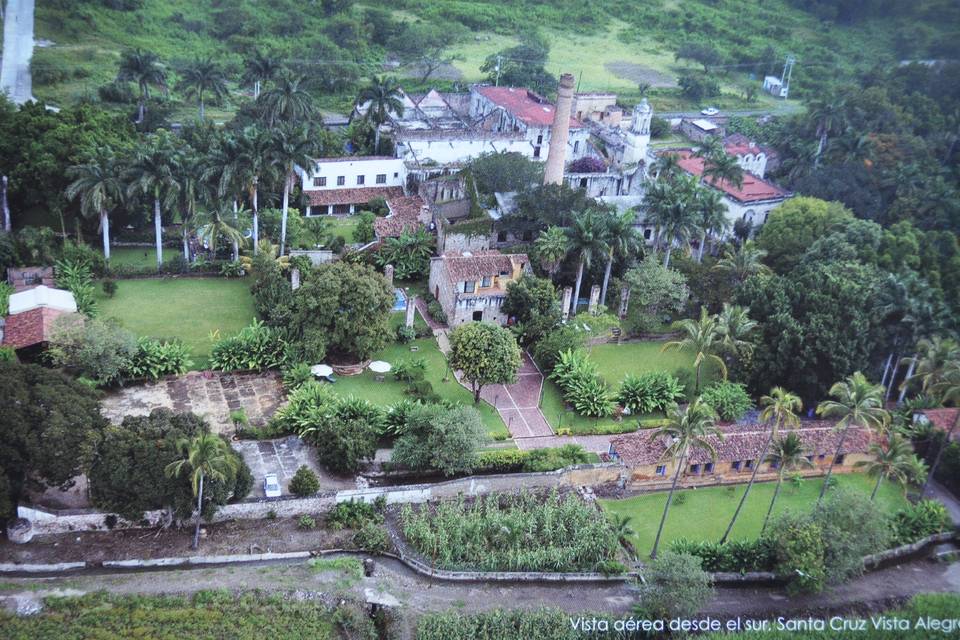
(421, 306)
(519, 403)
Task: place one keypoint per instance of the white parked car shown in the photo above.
(710, 111)
(271, 486)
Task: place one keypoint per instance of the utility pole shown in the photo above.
(499, 62)
(785, 77)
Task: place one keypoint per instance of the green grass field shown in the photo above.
(614, 363)
(344, 227)
(391, 391)
(186, 308)
(140, 256)
(705, 513)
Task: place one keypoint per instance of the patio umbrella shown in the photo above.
(379, 366)
(321, 370)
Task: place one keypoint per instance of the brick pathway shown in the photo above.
(421, 306)
(519, 403)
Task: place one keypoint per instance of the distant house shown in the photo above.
(342, 186)
(753, 157)
(699, 129)
(27, 327)
(473, 286)
(642, 452)
(939, 419)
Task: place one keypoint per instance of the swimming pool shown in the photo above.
(399, 300)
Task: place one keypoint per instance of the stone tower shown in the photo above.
(559, 132)
(638, 135)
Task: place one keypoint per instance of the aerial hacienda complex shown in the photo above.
(354, 320)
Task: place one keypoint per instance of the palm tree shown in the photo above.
(829, 114)
(735, 325)
(666, 166)
(710, 146)
(859, 403)
(788, 454)
(704, 338)
(220, 221)
(7, 225)
(99, 183)
(586, 237)
(934, 356)
(622, 530)
(203, 77)
(255, 145)
(193, 189)
(688, 429)
(742, 262)
(205, 456)
(260, 68)
(288, 101)
(894, 461)
(144, 68)
(226, 166)
(711, 217)
(723, 169)
(622, 241)
(780, 409)
(551, 248)
(292, 146)
(154, 175)
(385, 97)
(947, 389)
(669, 206)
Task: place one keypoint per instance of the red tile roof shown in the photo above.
(943, 419)
(524, 104)
(30, 327)
(406, 212)
(754, 189)
(741, 442)
(480, 264)
(361, 195)
(353, 158)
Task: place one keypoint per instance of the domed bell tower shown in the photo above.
(638, 135)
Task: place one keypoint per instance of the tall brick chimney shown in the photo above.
(560, 131)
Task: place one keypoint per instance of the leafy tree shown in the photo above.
(99, 184)
(100, 350)
(729, 399)
(145, 69)
(128, 474)
(343, 309)
(852, 528)
(794, 226)
(50, 426)
(545, 206)
(203, 76)
(561, 339)
(304, 482)
(704, 53)
(857, 403)
(655, 290)
(521, 66)
(384, 97)
(704, 339)
(485, 353)
(675, 586)
(691, 427)
(741, 262)
(409, 254)
(799, 552)
(440, 438)
(788, 454)
(697, 87)
(345, 430)
(426, 45)
(533, 302)
(205, 455)
(505, 172)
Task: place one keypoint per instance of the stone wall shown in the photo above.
(453, 242)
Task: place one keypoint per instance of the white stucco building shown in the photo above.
(342, 185)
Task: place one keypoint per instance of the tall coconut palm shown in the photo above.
(7, 225)
(193, 189)
(670, 207)
(710, 218)
(788, 454)
(947, 390)
(703, 338)
(934, 356)
(742, 262)
(723, 169)
(666, 166)
(225, 169)
(219, 221)
(710, 146)
(622, 241)
(205, 456)
(288, 100)
(780, 410)
(261, 68)
(384, 96)
(551, 248)
(99, 183)
(203, 77)
(688, 429)
(145, 69)
(857, 403)
(154, 174)
(292, 146)
(893, 460)
(585, 236)
(255, 147)
(736, 325)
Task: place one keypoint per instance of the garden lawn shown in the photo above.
(705, 513)
(140, 256)
(343, 227)
(391, 391)
(614, 362)
(190, 309)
